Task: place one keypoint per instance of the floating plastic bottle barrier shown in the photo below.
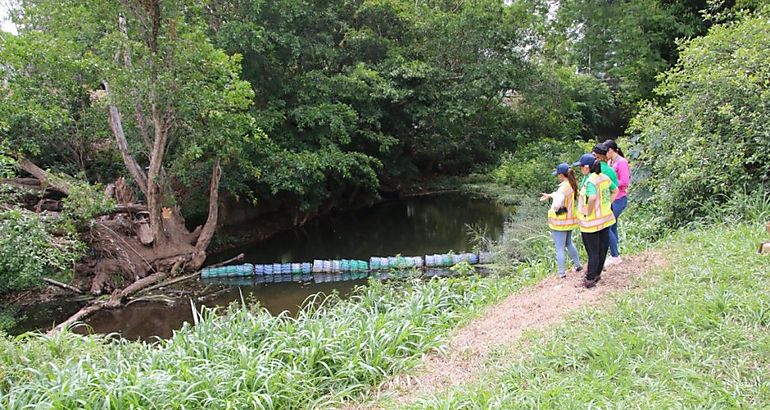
(345, 269)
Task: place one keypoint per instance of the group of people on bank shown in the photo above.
(593, 205)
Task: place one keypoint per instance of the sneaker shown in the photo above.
(578, 269)
(614, 260)
(562, 275)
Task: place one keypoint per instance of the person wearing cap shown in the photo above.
(562, 217)
(595, 215)
(618, 163)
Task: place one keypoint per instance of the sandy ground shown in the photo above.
(533, 308)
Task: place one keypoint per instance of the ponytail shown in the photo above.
(573, 183)
(612, 144)
(596, 168)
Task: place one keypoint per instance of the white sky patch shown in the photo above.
(5, 23)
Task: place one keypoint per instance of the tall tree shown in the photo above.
(174, 104)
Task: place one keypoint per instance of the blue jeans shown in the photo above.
(563, 239)
(617, 208)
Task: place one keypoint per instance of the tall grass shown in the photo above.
(699, 337)
(246, 358)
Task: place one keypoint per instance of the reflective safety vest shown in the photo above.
(600, 216)
(568, 220)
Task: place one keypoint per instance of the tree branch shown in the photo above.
(44, 176)
(120, 137)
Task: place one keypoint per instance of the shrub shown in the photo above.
(711, 139)
(28, 250)
(529, 168)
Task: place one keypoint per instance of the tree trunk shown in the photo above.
(120, 137)
(211, 221)
(141, 122)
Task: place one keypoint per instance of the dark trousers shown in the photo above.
(597, 244)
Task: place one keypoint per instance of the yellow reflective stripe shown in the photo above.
(566, 220)
(596, 222)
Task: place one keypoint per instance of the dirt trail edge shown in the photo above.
(533, 308)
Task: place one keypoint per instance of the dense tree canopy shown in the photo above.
(355, 94)
(627, 43)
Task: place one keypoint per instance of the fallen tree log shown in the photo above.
(44, 177)
(118, 296)
(127, 208)
(116, 300)
(238, 257)
(79, 315)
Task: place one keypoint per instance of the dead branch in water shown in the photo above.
(79, 315)
(116, 300)
(171, 282)
(63, 285)
(238, 257)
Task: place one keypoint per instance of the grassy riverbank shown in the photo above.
(248, 358)
(694, 336)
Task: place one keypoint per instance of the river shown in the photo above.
(410, 226)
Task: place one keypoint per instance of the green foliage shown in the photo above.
(29, 250)
(704, 347)
(710, 141)
(178, 83)
(85, 201)
(9, 317)
(354, 94)
(7, 163)
(332, 350)
(529, 168)
(626, 42)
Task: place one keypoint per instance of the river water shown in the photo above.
(411, 226)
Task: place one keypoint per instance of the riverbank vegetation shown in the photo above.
(307, 104)
(245, 357)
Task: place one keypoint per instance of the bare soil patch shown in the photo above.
(533, 308)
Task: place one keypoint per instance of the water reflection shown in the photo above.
(413, 226)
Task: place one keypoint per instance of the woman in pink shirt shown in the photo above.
(620, 165)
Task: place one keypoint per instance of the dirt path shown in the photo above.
(534, 308)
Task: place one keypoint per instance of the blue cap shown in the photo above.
(562, 169)
(585, 159)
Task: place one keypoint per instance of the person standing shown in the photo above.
(600, 153)
(618, 163)
(562, 217)
(595, 215)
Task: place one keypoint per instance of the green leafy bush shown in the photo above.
(529, 168)
(28, 250)
(85, 201)
(711, 140)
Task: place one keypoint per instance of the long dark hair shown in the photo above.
(572, 182)
(596, 168)
(612, 144)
